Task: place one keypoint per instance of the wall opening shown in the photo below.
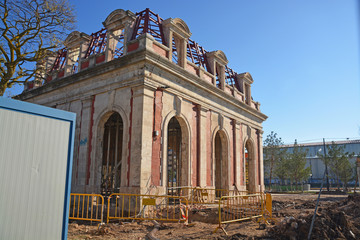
(112, 152)
(174, 163)
(221, 162)
(175, 57)
(217, 79)
(218, 160)
(249, 173)
(246, 169)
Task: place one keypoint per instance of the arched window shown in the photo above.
(249, 169)
(221, 162)
(112, 151)
(174, 156)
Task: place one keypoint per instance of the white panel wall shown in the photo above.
(33, 161)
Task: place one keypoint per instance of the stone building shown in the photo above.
(154, 109)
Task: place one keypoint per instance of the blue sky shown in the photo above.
(302, 54)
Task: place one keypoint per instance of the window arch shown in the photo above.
(221, 164)
(111, 154)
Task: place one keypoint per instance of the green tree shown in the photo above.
(339, 165)
(346, 170)
(29, 29)
(272, 154)
(297, 162)
(281, 170)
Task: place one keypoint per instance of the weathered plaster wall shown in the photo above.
(147, 90)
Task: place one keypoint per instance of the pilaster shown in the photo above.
(238, 152)
(141, 137)
(203, 144)
(86, 106)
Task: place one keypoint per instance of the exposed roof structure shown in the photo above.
(149, 22)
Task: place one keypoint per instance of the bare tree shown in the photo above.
(29, 29)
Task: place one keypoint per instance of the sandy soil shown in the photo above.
(287, 208)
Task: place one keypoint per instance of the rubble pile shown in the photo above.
(340, 220)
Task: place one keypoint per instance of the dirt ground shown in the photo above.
(338, 217)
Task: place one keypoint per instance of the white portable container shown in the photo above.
(36, 147)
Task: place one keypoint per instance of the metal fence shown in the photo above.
(232, 208)
(88, 207)
(198, 195)
(240, 208)
(147, 207)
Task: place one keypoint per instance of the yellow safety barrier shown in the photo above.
(147, 207)
(87, 207)
(240, 208)
(268, 208)
(198, 195)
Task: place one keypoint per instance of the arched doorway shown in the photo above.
(174, 156)
(111, 157)
(248, 166)
(221, 162)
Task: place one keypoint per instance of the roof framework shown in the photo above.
(147, 22)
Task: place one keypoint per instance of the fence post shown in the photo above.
(268, 203)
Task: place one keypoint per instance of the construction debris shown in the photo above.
(338, 217)
(338, 221)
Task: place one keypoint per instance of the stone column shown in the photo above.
(113, 38)
(83, 165)
(84, 45)
(261, 160)
(238, 151)
(141, 137)
(203, 144)
(71, 58)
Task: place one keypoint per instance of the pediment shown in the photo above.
(219, 56)
(177, 26)
(246, 76)
(181, 25)
(117, 18)
(75, 38)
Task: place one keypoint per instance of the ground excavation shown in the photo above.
(338, 217)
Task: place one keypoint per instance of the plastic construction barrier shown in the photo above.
(240, 208)
(87, 207)
(147, 207)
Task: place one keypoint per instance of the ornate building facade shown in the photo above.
(154, 109)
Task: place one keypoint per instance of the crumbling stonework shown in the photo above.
(154, 109)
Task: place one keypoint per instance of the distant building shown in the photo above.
(316, 164)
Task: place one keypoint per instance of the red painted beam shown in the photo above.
(156, 143)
